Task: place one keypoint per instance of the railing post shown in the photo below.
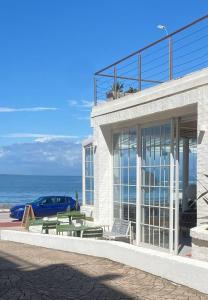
(170, 46)
(139, 72)
(115, 82)
(95, 91)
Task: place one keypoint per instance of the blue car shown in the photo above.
(45, 206)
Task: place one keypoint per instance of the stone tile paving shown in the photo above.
(28, 272)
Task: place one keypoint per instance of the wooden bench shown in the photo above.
(120, 229)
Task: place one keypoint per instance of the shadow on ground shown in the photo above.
(23, 280)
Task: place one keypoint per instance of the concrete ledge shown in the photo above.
(185, 271)
(200, 232)
(199, 236)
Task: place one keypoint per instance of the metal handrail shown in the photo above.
(152, 44)
(115, 76)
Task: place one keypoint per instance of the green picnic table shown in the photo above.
(71, 215)
(78, 231)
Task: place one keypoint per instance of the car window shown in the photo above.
(60, 200)
(47, 200)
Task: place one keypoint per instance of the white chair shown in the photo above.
(120, 229)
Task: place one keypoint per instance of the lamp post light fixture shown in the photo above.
(163, 27)
(170, 46)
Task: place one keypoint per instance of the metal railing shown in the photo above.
(171, 57)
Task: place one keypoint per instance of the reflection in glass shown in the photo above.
(124, 179)
(155, 189)
(89, 174)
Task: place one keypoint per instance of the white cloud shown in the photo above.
(84, 104)
(56, 157)
(39, 137)
(26, 109)
(87, 104)
(73, 102)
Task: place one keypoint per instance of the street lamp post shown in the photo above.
(170, 47)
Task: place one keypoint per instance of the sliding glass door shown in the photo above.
(158, 189)
(124, 174)
(145, 183)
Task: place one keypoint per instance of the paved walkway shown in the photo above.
(28, 272)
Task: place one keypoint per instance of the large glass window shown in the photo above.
(155, 185)
(89, 175)
(124, 174)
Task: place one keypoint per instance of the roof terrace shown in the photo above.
(173, 56)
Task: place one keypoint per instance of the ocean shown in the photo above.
(23, 188)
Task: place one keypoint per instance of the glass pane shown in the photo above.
(132, 194)
(125, 212)
(124, 176)
(116, 193)
(146, 215)
(125, 140)
(132, 176)
(87, 183)
(145, 176)
(145, 196)
(116, 140)
(145, 234)
(116, 158)
(124, 158)
(132, 157)
(156, 216)
(156, 236)
(87, 154)
(125, 193)
(165, 176)
(124, 173)
(132, 138)
(87, 169)
(132, 213)
(116, 209)
(116, 175)
(155, 192)
(89, 197)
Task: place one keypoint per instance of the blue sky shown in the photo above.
(49, 52)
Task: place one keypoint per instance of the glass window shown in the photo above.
(89, 175)
(124, 174)
(155, 170)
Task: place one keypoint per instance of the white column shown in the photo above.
(177, 187)
(138, 183)
(185, 171)
(83, 176)
(171, 187)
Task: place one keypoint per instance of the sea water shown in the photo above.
(24, 188)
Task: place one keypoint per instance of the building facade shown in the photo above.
(150, 150)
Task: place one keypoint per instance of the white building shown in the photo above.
(149, 154)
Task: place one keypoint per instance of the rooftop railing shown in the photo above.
(171, 57)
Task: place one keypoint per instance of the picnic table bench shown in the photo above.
(79, 231)
(71, 215)
(49, 224)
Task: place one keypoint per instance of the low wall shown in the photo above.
(199, 236)
(185, 271)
